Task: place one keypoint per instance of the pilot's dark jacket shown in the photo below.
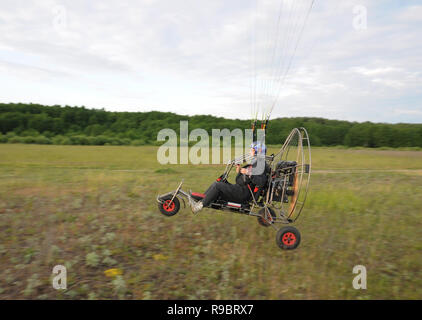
(238, 192)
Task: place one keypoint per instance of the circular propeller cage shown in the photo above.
(292, 167)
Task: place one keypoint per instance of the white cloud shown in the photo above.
(408, 112)
(194, 57)
(411, 14)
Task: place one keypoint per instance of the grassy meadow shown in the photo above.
(93, 208)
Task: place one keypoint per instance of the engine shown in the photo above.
(283, 178)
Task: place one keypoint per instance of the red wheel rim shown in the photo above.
(288, 238)
(168, 206)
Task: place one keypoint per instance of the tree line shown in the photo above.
(34, 123)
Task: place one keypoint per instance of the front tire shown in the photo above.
(167, 207)
(288, 238)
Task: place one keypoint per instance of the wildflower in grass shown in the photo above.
(114, 272)
(159, 257)
(109, 261)
(32, 284)
(110, 236)
(92, 296)
(119, 287)
(92, 259)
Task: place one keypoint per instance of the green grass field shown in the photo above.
(93, 209)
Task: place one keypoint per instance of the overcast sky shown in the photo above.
(194, 57)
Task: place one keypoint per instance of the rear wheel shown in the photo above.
(167, 207)
(288, 238)
(263, 219)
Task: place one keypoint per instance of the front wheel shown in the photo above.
(288, 238)
(167, 207)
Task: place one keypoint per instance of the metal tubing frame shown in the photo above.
(302, 135)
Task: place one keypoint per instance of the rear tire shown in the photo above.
(264, 222)
(288, 238)
(169, 209)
